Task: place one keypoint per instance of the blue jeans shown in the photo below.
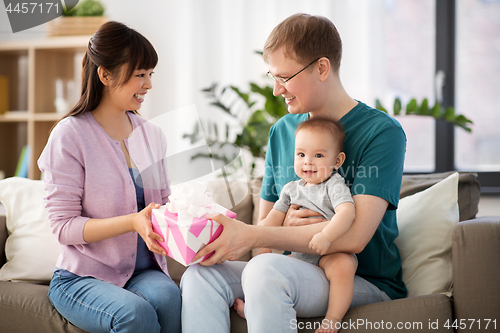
(276, 290)
(149, 302)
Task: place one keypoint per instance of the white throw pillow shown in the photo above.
(31, 248)
(426, 220)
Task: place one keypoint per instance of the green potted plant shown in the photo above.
(86, 8)
(83, 19)
(423, 109)
(251, 122)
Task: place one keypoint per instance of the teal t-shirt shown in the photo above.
(375, 146)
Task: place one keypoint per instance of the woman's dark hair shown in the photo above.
(112, 46)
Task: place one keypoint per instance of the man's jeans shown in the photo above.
(276, 290)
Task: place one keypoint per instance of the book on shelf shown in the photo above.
(23, 163)
(4, 94)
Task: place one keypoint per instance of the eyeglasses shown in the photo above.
(283, 81)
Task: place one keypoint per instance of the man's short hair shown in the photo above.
(305, 38)
(326, 125)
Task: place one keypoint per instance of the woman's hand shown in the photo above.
(296, 216)
(235, 241)
(141, 223)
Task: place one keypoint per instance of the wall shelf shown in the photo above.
(13, 116)
(32, 68)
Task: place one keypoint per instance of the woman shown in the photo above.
(104, 173)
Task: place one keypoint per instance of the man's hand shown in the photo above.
(235, 241)
(296, 216)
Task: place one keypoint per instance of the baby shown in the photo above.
(318, 155)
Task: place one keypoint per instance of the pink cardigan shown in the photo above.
(86, 176)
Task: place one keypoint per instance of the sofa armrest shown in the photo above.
(476, 270)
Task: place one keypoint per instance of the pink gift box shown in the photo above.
(183, 239)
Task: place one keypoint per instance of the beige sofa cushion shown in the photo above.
(469, 189)
(31, 249)
(425, 221)
(25, 307)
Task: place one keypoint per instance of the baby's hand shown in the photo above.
(319, 243)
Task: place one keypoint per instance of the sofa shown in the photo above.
(451, 259)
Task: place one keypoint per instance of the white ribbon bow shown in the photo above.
(189, 200)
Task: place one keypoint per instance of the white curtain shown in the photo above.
(205, 41)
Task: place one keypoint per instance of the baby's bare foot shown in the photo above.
(329, 325)
(239, 306)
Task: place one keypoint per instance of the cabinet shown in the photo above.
(32, 68)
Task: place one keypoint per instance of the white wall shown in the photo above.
(200, 42)
(489, 205)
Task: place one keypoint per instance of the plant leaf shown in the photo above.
(436, 111)
(216, 131)
(462, 121)
(379, 106)
(411, 107)
(221, 106)
(449, 114)
(424, 108)
(397, 106)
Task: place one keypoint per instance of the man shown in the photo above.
(303, 54)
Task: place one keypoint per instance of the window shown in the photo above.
(410, 62)
(467, 23)
(460, 39)
(478, 84)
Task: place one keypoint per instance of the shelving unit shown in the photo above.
(32, 68)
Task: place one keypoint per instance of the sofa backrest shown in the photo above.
(3, 238)
(469, 190)
(468, 199)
